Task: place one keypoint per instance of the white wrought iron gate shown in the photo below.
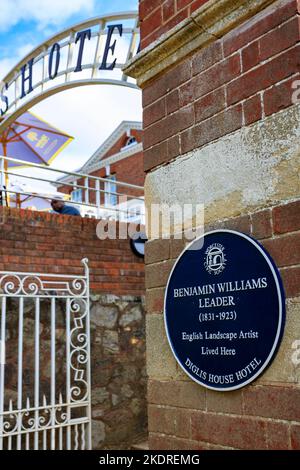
(45, 396)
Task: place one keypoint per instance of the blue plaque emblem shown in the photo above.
(215, 258)
(224, 310)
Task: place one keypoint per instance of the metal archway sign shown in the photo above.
(89, 53)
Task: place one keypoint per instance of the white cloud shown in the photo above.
(43, 12)
(8, 63)
(24, 49)
(5, 66)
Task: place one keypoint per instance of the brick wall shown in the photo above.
(50, 243)
(159, 16)
(240, 81)
(260, 416)
(40, 242)
(234, 82)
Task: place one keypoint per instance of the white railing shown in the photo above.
(48, 410)
(129, 198)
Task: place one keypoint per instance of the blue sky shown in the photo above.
(90, 113)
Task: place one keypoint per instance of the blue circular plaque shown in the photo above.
(224, 310)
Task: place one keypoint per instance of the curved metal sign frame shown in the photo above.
(60, 63)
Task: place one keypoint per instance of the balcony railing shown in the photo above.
(128, 199)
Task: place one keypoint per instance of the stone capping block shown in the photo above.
(210, 22)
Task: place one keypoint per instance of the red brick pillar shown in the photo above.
(221, 128)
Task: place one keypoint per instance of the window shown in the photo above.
(131, 141)
(76, 195)
(111, 187)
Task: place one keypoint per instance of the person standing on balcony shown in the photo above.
(60, 207)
